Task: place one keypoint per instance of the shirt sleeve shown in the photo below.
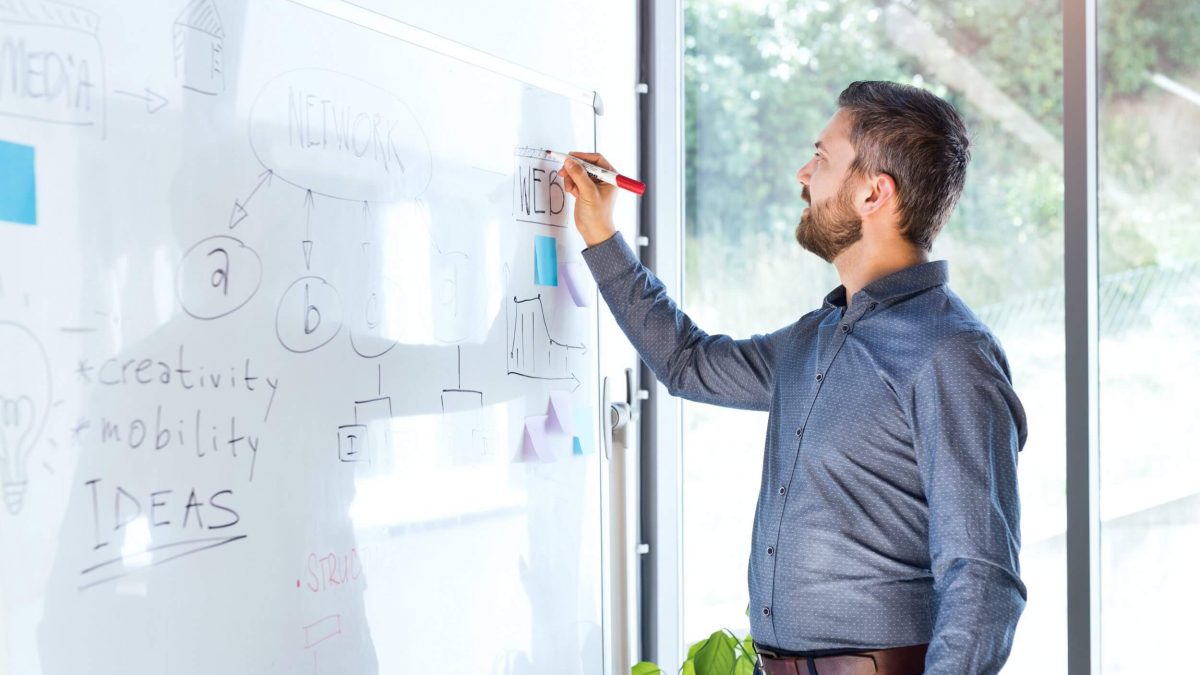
(691, 363)
(968, 426)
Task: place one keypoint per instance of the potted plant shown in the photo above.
(721, 653)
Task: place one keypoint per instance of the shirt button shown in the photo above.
(871, 306)
(800, 431)
(766, 611)
(782, 489)
(845, 328)
(770, 550)
(819, 377)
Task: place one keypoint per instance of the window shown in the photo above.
(1148, 128)
(760, 81)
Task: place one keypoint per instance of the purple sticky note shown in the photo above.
(579, 282)
(542, 443)
(562, 417)
(535, 441)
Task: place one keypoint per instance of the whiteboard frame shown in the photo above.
(386, 25)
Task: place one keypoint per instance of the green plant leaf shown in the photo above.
(646, 668)
(735, 643)
(689, 667)
(744, 666)
(716, 657)
(696, 647)
(748, 645)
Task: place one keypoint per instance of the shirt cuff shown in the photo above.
(610, 259)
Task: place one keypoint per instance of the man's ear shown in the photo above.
(882, 193)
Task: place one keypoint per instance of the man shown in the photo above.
(886, 534)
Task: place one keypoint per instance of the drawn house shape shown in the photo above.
(199, 41)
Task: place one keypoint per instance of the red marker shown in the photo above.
(637, 187)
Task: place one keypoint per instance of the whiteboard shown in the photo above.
(298, 366)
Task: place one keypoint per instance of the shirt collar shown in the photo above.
(908, 281)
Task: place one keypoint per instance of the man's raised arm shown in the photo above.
(707, 368)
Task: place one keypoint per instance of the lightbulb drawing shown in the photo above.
(24, 404)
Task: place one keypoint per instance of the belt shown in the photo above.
(895, 661)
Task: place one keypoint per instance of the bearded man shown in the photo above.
(887, 529)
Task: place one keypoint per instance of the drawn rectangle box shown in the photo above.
(321, 630)
(18, 190)
(538, 194)
(55, 45)
(352, 443)
(376, 415)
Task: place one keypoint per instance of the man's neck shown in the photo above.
(863, 263)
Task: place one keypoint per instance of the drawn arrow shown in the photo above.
(307, 243)
(154, 100)
(366, 212)
(239, 208)
(572, 378)
(566, 346)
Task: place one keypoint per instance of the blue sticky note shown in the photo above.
(583, 444)
(18, 190)
(545, 261)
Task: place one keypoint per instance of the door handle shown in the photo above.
(618, 412)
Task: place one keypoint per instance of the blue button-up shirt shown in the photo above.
(888, 513)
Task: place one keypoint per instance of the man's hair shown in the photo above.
(920, 141)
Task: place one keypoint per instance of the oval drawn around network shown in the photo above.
(340, 137)
(216, 276)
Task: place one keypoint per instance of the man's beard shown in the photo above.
(832, 226)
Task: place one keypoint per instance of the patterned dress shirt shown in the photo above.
(888, 513)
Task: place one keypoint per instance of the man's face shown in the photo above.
(831, 223)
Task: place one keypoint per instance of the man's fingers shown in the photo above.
(584, 186)
(568, 183)
(595, 158)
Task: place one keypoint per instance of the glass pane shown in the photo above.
(1149, 141)
(761, 80)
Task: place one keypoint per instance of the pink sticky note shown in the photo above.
(536, 444)
(542, 443)
(579, 282)
(562, 417)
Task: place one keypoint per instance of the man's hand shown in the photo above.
(593, 199)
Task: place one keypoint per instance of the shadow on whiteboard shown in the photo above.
(439, 468)
(420, 287)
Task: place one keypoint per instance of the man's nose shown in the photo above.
(802, 175)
